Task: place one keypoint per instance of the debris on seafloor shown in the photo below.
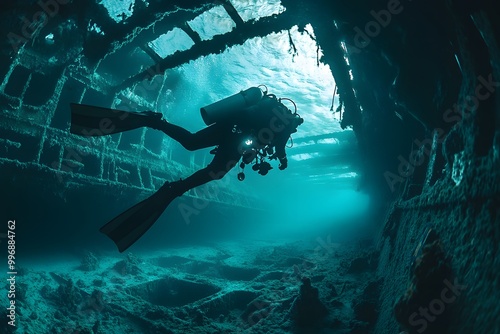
(307, 310)
(89, 262)
(129, 265)
(366, 307)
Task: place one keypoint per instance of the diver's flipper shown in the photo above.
(126, 228)
(98, 121)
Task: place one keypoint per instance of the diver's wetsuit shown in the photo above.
(227, 155)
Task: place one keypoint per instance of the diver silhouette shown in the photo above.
(250, 126)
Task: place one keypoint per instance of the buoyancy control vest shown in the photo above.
(263, 119)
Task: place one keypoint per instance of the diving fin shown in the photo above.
(126, 228)
(98, 121)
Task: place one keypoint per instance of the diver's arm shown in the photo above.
(280, 152)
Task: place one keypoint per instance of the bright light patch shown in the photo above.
(304, 156)
(346, 58)
(119, 10)
(248, 142)
(346, 175)
(213, 22)
(344, 47)
(169, 43)
(335, 175)
(255, 9)
(49, 39)
(95, 28)
(306, 143)
(328, 141)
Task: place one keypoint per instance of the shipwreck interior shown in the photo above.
(385, 221)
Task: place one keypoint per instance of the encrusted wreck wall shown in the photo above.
(419, 83)
(39, 84)
(463, 212)
(439, 242)
(59, 52)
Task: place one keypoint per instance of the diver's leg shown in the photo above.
(224, 160)
(126, 228)
(92, 121)
(207, 137)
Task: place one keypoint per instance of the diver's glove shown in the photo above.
(283, 163)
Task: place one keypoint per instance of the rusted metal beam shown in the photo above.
(190, 32)
(233, 13)
(150, 52)
(146, 22)
(218, 44)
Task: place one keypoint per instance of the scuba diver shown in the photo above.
(250, 126)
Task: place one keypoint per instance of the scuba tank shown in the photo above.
(227, 109)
